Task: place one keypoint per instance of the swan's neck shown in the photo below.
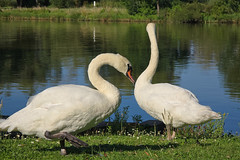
(147, 75)
(103, 86)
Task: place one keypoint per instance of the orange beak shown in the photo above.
(129, 75)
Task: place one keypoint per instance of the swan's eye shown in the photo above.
(129, 67)
(129, 70)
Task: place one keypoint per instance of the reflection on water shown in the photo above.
(202, 58)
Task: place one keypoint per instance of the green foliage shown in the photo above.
(120, 120)
(164, 3)
(65, 4)
(205, 10)
(110, 3)
(212, 129)
(188, 13)
(137, 118)
(121, 116)
(8, 3)
(26, 3)
(136, 7)
(43, 3)
(220, 8)
(183, 11)
(73, 14)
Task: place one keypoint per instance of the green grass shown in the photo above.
(71, 14)
(112, 14)
(136, 143)
(124, 147)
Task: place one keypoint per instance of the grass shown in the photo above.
(70, 14)
(206, 141)
(124, 147)
(74, 14)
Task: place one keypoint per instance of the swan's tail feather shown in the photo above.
(216, 115)
(210, 113)
(199, 114)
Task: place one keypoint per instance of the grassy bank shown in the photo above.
(176, 14)
(123, 147)
(71, 14)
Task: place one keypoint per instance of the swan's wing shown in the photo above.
(164, 94)
(174, 93)
(61, 94)
(178, 104)
(66, 108)
(155, 98)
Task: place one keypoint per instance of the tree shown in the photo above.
(66, 4)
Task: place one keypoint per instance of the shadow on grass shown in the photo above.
(95, 149)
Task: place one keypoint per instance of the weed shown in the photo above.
(211, 129)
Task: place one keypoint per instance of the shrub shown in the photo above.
(110, 3)
(212, 129)
(66, 4)
(136, 7)
(8, 3)
(188, 13)
(120, 120)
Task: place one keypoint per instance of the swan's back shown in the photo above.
(177, 102)
(62, 108)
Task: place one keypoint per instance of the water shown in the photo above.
(202, 58)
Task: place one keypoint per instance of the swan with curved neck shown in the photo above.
(58, 111)
(173, 105)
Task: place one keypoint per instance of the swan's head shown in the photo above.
(117, 61)
(124, 66)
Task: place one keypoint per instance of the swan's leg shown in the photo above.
(65, 136)
(63, 149)
(169, 137)
(174, 133)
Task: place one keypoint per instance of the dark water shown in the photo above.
(202, 58)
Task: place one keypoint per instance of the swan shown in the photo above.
(173, 105)
(58, 111)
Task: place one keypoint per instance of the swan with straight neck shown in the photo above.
(173, 105)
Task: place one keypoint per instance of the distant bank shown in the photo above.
(109, 14)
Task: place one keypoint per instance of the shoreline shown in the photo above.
(95, 14)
